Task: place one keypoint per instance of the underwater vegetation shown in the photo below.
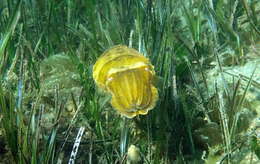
(185, 89)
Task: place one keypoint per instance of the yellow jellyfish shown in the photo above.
(128, 76)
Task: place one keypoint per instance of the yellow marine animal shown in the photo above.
(128, 76)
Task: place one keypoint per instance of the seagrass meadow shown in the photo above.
(192, 82)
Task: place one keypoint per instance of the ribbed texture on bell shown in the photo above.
(128, 76)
